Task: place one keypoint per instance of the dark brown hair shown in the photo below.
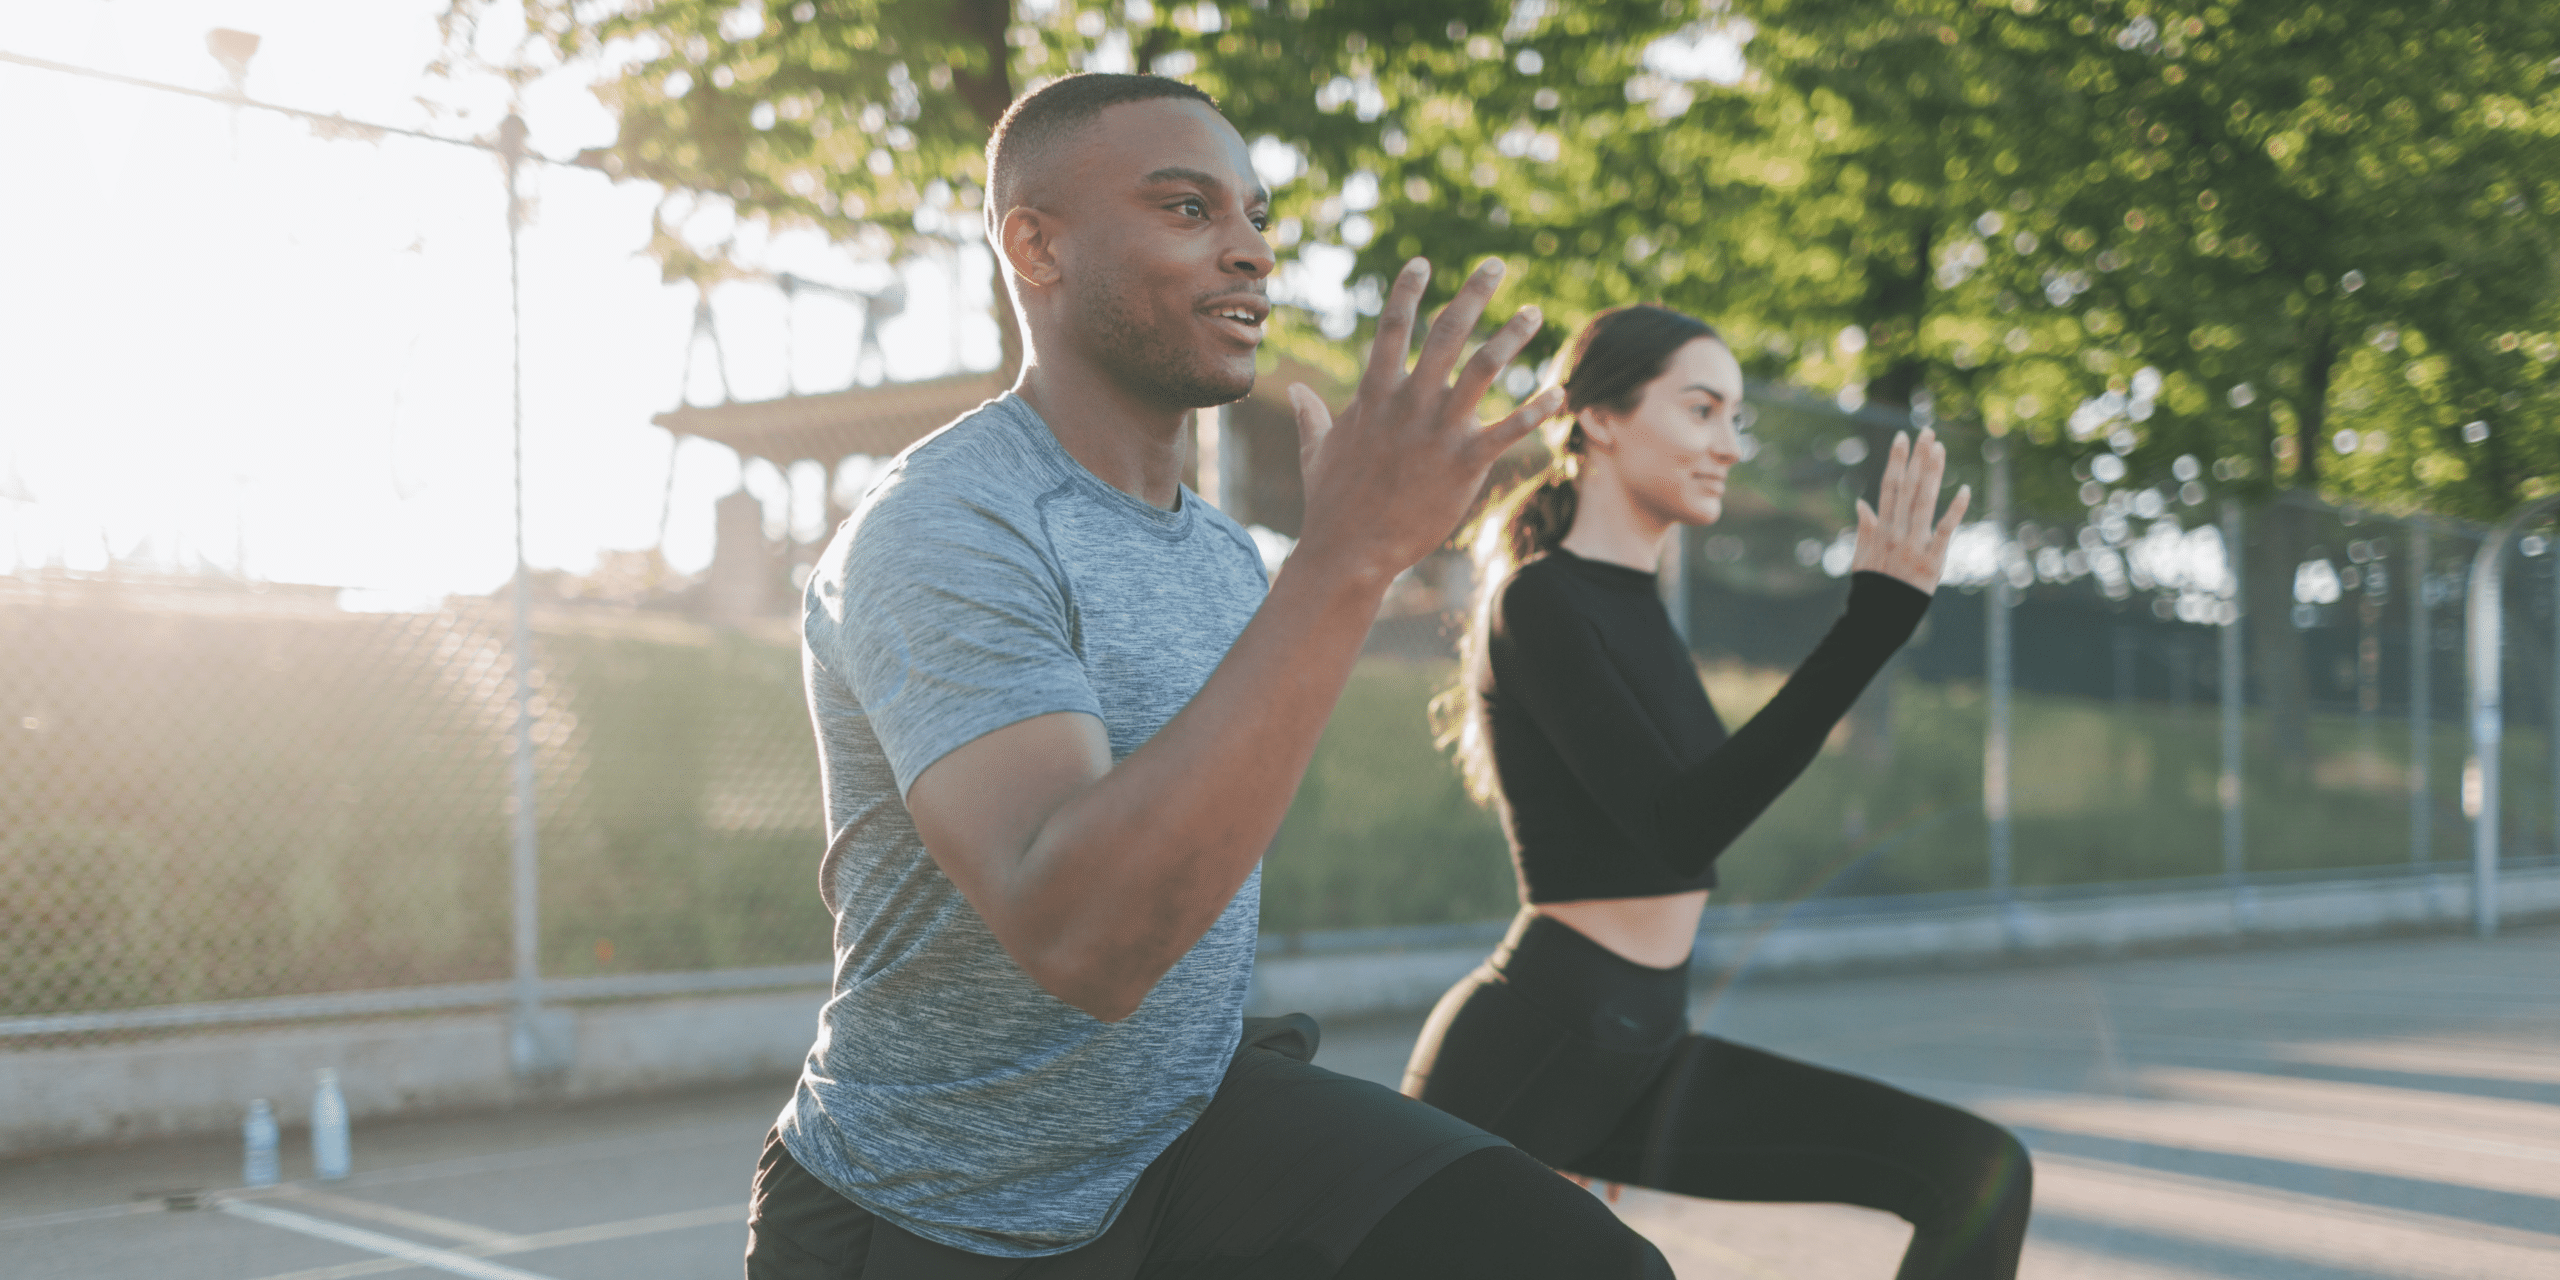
(1617, 354)
(1038, 121)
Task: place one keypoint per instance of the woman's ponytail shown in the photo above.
(1610, 363)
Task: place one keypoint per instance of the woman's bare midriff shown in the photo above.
(1654, 932)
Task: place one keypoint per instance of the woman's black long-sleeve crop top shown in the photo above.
(1617, 779)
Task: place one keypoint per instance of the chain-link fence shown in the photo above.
(227, 798)
(2341, 750)
(217, 794)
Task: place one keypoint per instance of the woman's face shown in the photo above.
(1673, 451)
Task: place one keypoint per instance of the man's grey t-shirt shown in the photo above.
(987, 579)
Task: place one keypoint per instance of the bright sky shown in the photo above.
(230, 338)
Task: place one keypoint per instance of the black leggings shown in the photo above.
(1496, 1214)
(1584, 1060)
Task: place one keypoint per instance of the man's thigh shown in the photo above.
(798, 1228)
(1292, 1164)
(1281, 1177)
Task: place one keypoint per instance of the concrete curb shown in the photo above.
(1955, 929)
(170, 1085)
(165, 1085)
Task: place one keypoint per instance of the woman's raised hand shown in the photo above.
(1897, 536)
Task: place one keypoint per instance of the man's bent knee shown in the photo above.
(1499, 1214)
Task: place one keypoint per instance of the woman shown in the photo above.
(1585, 725)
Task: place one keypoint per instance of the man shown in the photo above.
(1060, 720)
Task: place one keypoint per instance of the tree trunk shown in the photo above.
(988, 92)
(2279, 537)
(2275, 539)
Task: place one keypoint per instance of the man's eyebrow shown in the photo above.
(1205, 181)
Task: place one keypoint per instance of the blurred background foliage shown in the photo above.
(2168, 251)
(2303, 218)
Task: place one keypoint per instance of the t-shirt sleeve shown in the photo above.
(945, 621)
(1713, 801)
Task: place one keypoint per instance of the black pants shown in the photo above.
(1293, 1173)
(1584, 1059)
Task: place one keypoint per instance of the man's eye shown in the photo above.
(1194, 208)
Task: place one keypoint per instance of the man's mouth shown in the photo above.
(1241, 316)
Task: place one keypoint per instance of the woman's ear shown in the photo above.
(1599, 431)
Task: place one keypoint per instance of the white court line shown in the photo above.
(376, 1242)
(681, 1220)
(389, 1216)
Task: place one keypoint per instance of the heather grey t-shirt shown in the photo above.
(987, 579)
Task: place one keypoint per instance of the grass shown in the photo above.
(1383, 834)
(221, 805)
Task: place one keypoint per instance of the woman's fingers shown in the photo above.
(1929, 473)
(1456, 323)
(1946, 530)
(1395, 332)
(1893, 495)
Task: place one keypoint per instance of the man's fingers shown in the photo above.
(1395, 331)
(1314, 420)
(1491, 441)
(1487, 363)
(1457, 323)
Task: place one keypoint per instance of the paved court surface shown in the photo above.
(2386, 1109)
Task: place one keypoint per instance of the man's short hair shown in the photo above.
(1041, 121)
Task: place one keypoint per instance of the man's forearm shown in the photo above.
(1121, 881)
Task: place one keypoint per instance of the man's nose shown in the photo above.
(1252, 255)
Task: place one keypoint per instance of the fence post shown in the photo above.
(2483, 651)
(2421, 693)
(1997, 674)
(535, 1043)
(2484, 617)
(2234, 685)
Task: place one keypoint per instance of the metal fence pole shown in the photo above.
(530, 1051)
(1997, 674)
(2483, 616)
(2421, 694)
(2234, 682)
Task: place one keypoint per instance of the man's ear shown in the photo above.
(1027, 239)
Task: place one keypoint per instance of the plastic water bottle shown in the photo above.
(259, 1135)
(328, 1128)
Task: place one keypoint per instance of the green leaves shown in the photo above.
(2016, 208)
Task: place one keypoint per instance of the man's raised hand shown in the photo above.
(1389, 477)
(1897, 536)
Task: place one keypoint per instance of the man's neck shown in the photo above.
(1131, 444)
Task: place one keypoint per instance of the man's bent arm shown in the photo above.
(1098, 879)
(1114, 872)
